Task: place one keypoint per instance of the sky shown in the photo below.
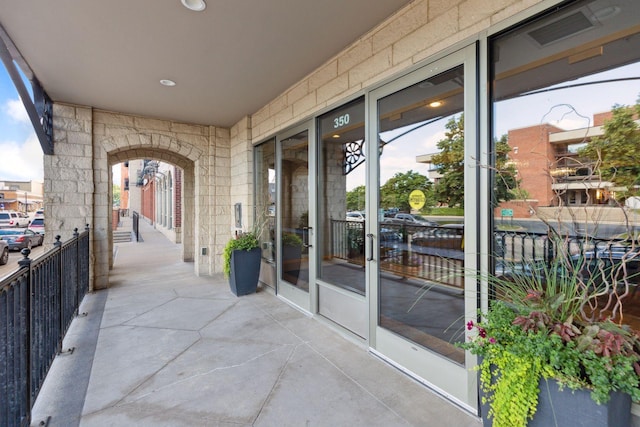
(21, 157)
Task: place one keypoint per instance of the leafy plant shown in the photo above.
(291, 239)
(547, 323)
(244, 242)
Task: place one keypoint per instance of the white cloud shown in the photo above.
(22, 161)
(15, 109)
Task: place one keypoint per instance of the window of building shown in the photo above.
(566, 93)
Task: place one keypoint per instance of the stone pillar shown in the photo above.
(69, 183)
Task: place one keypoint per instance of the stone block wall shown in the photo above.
(78, 179)
(421, 29)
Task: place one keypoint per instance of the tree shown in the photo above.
(395, 192)
(507, 186)
(449, 162)
(615, 153)
(116, 195)
(356, 198)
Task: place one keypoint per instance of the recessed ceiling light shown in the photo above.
(167, 82)
(435, 104)
(336, 136)
(195, 5)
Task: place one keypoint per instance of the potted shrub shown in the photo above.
(557, 327)
(241, 259)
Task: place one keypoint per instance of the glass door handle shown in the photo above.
(370, 237)
(305, 236)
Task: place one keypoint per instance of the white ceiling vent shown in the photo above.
(561, 29)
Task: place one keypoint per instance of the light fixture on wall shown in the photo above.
(167, 82)
(195, 5)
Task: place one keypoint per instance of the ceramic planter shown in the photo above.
(245, 271)
(575, 408)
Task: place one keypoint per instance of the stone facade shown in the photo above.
(418, 31)
(78, 179)
(218, 163)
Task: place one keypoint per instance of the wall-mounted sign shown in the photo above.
(506, 212)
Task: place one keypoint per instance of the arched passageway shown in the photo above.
(78, 180)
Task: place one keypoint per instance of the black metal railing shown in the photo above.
(436, 254)
(136, 225)
(423, 252)
(37, 304)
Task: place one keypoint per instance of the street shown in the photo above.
(14, 257)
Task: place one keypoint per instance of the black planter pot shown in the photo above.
(291, 257)
(574, 408)
(245, 271)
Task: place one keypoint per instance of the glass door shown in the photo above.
(342, 218)
(425, 127)
(294, 216)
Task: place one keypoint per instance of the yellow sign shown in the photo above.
(417, 199)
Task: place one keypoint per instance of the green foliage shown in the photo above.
(356, 198)
(540, 327)
(395, 192)
(505, 173)
(291, 239)
(244, 242)
(116, 195)
(616, 152)
(449, 162)
(445, 211)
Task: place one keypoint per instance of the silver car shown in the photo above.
(4, 252)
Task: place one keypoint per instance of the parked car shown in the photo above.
(37, 225)
(411, 219)
(355, 216)
(39, 213)
(4, 252)
(20, 238)
(12, 219)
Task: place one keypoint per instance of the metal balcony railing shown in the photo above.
(37, 304)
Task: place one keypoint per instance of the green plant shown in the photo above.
(244, 242)
(291, 239)
(549, 321)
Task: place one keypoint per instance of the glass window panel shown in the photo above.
(421, 256)
(560, 101)
(265, 177)
(294, 262)
(341, 203)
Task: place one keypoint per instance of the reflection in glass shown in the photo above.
(421, 137)
(341, 217)
(294, 235)
(265, 199)
(561, 104)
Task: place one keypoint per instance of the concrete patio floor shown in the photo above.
(162, 347)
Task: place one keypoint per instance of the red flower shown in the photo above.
(470, 325)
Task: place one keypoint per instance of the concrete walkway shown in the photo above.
(162, 347)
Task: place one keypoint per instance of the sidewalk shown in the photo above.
(162, 347)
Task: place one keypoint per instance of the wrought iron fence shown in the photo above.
(37, 304)
(436, 254)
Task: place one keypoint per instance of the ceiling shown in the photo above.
(227, 61)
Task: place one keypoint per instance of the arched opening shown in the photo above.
(158, 183)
